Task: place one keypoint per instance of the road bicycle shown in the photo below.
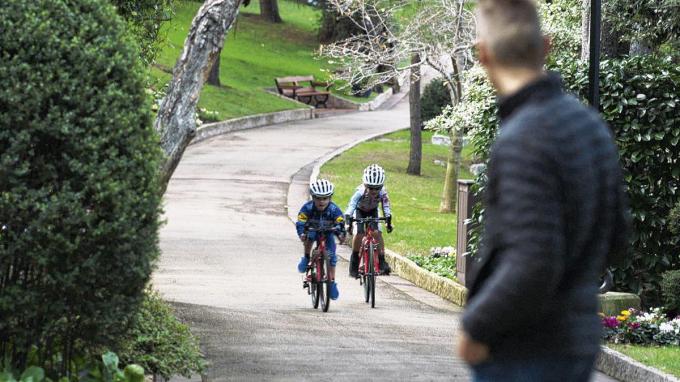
(316, 280)
(369, 262)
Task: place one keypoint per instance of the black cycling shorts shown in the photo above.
(370, 214)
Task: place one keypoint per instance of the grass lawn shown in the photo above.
(664, 358)
(415, 199)
(254, 53)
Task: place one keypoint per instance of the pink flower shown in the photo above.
(610, 322)
(633, 325)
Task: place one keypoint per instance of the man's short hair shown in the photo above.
(512, 31)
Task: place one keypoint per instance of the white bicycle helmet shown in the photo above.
(321, 188)
(374, 176)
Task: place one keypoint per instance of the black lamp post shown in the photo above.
(594, 72)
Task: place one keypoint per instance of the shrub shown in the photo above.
(79, 200)
(435, 98)
(639, 98)
(639, 102)
(160, 343)
(670, 289)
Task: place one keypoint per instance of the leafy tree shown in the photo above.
(144, 18)
(646, 25)
(79, 201)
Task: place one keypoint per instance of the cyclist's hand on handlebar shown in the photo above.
(389, 228)
(303, 237)
(388, 220)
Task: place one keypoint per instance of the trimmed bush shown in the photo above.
(670, 288)
(160, 343)
(640, 97)
(79, 200)
(435, 98)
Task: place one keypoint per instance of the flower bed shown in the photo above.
(636, 327)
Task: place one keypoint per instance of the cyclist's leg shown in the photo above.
(330, 251)
(333, 259)
(307, 245)
(356, 247)
(384, 266)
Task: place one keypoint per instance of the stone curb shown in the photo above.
(626, 369)
(430, 281)
(210, 130)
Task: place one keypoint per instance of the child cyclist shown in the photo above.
(364, 203)
(321, 209)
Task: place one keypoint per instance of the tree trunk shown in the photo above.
(176, 119)
(611, 44)
(585, 30)
(450, 194)
(214, 76)
(269, 11)
(416, 153)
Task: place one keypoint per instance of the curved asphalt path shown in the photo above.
(229, 253)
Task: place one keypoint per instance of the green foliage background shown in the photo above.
(639, 99)
(79, 201)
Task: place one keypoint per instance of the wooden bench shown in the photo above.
(303, 89)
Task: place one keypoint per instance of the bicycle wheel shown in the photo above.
(371, 274)
(365, 279)
(325, 285)
(314, 285)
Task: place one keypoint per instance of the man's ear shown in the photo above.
(483, 54)
(547, 45)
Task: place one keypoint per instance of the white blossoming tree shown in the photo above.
(439, 34)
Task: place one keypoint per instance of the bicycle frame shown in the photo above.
(369, 260)
(316, 279)
(318, 258)
(366, 242)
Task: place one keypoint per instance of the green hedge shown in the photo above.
(79, 201)
(640, 97)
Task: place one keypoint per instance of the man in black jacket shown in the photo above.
(555, 215)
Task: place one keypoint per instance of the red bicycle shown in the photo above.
(369, 263)
(316, 280)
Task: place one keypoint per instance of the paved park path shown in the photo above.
(229, 253)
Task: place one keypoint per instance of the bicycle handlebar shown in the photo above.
(316, 226)
(366, 220)
(323, 229)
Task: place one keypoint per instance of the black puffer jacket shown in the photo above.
(555, 211)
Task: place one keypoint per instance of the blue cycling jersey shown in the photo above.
(332, 215)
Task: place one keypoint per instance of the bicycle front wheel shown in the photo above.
(365, 279)
(371, 275)
(314, 285)
(325, 285)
